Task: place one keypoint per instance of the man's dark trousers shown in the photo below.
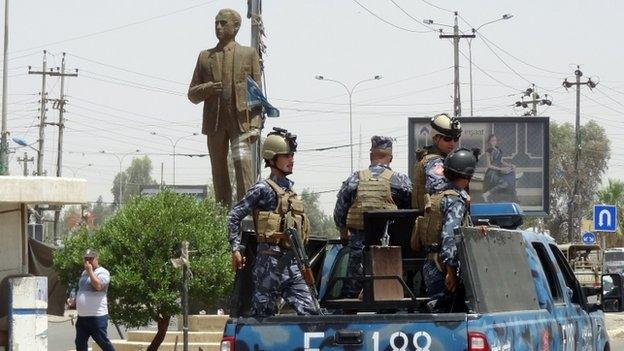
(94, 327)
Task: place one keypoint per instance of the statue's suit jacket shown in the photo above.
(208, 69)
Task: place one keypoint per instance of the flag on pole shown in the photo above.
(256, 98)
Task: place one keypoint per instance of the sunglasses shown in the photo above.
(448, 138)
(88, 258)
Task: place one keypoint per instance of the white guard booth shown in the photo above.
(25, 326)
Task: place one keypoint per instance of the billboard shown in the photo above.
(198, 191)
(513, 166)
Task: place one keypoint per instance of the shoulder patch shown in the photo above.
(438, 169)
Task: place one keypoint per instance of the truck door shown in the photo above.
(575, 328)
(572, 316)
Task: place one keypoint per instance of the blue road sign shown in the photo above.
(605, 218)
(589, 238)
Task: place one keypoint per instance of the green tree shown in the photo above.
(72, 219)
(613, 194)
(101, 211)
(320, 223)
(131, 180)
(68, 259)
(593, 164)
(136, 246)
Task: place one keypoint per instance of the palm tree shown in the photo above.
(613, 194)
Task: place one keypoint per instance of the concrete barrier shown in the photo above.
(28, 320)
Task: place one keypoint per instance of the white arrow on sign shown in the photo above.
(604, 213)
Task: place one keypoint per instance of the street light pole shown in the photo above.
(75, 171)
(474, 31)
(350, 94)
(120, 159)
(470, 72)
(4, 133)
(173, 145)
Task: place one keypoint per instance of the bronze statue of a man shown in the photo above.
(220, 81)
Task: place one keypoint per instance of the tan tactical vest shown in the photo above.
(418, 186)
(271, 225)
(373, 193)
(428, 227)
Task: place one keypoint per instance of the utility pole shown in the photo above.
(42, 112)
(360, 149)
(573, 205)
(535, 101)
(254, 12)
(4, 142)
(456, 36)
(25, 160)
(59, 104)
(42, 118)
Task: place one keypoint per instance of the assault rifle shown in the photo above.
(298, 250)
(239, 301)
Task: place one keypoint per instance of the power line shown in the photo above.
(412, 17)
(133, 82)
(613, 90)
(140, 115)
(609, 97)
(388, 22)
(128, 70)
(505, 63)
(518, 59)
(601, 104)
(437, 7)
(506, 52)
(116, 28)
(313, 102)
(489, 75)
(142, 87)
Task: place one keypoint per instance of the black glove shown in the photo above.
(476, 152)
(344, 238)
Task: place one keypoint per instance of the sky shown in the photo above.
(135, 60)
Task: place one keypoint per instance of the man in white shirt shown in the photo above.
(91, 304)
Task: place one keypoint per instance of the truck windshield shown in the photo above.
(614, 256)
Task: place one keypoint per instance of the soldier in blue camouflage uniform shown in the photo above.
(440, 268)
(275, 272)
(350, 205)
(428, 170)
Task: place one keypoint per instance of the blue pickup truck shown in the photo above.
(518, 293)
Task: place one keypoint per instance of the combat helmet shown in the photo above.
(462, 161)
(445, 125)
(279, 142)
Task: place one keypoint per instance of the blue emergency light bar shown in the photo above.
(506, 215)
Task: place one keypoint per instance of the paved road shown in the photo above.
(61, 333)
(615, 326)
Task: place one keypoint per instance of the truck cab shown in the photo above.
(518, 292)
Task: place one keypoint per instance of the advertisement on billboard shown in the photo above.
(513, 166)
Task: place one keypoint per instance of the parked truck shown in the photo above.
(614, 260)
(586, 261)
(518, 292)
